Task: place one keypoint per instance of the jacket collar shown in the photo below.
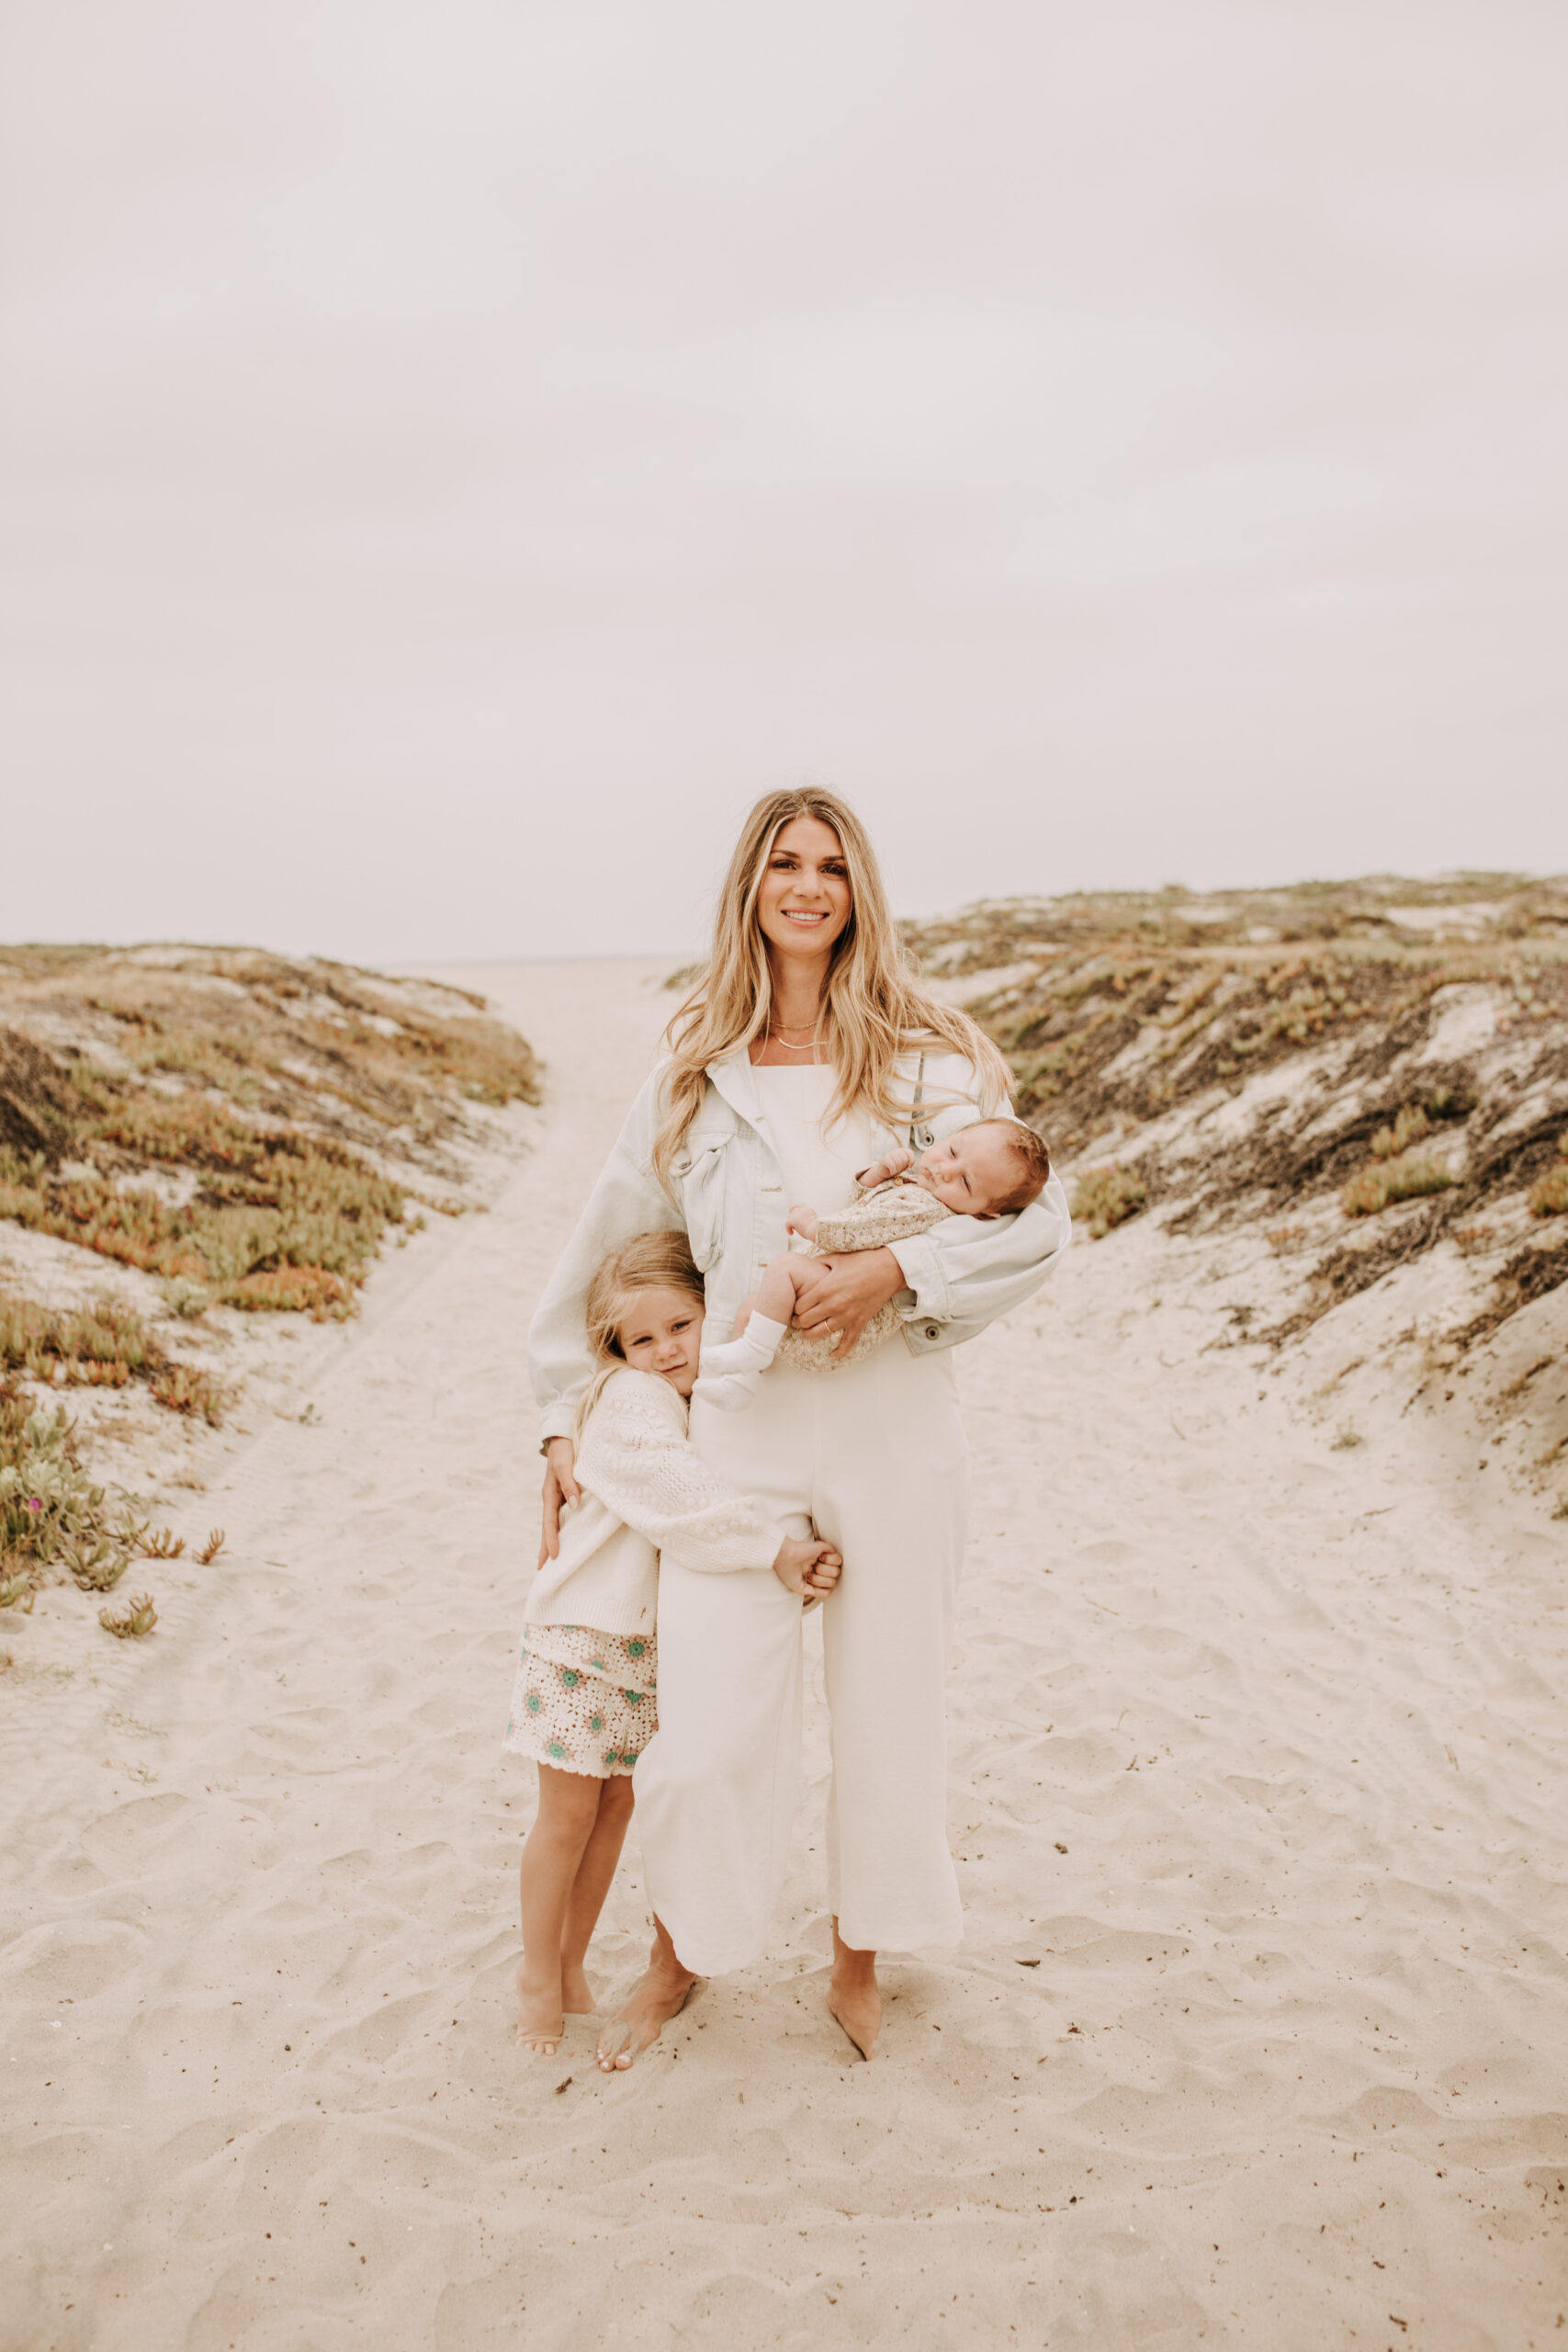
(733, 1080)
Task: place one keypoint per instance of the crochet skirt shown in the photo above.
(584, 1700)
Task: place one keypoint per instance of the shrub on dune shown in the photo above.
(1549, 1193)
(1106, 1196)
(1407, 1179)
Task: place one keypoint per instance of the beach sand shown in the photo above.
(1259, 2034)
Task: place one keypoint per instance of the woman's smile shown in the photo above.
(806, 897)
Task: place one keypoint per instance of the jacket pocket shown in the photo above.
(699, 1178)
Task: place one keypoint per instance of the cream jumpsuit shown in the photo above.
(874, 1456)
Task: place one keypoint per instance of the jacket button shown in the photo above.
(932, 1331)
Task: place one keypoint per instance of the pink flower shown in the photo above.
(33, 1503)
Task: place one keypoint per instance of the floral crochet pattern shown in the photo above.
(584, 1700)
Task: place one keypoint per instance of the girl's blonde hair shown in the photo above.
(648, 1262)
(874, 1008)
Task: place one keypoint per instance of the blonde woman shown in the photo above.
(806, 1050)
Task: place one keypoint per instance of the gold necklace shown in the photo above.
(776, 1033)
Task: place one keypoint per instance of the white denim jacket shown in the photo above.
(727, 1195)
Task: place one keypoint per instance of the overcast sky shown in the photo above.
(455, 453)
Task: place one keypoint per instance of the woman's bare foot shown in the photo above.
(854, 2000)
(575, 1993)
(659, 1994)
(540, 2022)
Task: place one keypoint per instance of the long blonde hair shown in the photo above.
(648, 1262)
(874, 1008)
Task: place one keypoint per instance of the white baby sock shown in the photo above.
(730, 1369)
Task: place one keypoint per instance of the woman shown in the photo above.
(805, 1050)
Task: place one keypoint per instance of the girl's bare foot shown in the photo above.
(855, 2002)
(659, 1994)
(575, 1995)
(540, 2022)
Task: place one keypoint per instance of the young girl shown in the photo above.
(584, 1704)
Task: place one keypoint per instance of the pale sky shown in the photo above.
(455, 453)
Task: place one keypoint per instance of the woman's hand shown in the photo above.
(807, 1566)
(841, 1292)
(560, 1486)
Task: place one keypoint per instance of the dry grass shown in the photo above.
(1149, 1015)
(216, 1117)
(1107, 1196)
(210, 1549)
(1372, 912)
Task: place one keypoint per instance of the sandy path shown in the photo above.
(1257, 1754)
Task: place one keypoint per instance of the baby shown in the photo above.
(989, 1170)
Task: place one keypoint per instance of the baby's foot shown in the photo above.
(659, 1994)
(540, 2022)
(575, 1996)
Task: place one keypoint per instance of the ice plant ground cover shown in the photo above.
(231, 1120)
(1367, 1079)
(214, 1130)
(1360, 1047)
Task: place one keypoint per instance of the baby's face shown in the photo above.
(662, 1332)
(969, 1171)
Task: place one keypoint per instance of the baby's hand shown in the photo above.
(882, 1172)
(802, 1219)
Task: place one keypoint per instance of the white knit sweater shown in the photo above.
(645, 1490)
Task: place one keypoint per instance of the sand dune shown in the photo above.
(1260, 2035)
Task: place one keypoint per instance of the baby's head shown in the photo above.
(989, 1170)
(645, 1308)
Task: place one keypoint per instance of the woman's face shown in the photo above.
(662, 1332)
(805, 898)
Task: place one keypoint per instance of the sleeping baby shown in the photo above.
(989, 1170)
